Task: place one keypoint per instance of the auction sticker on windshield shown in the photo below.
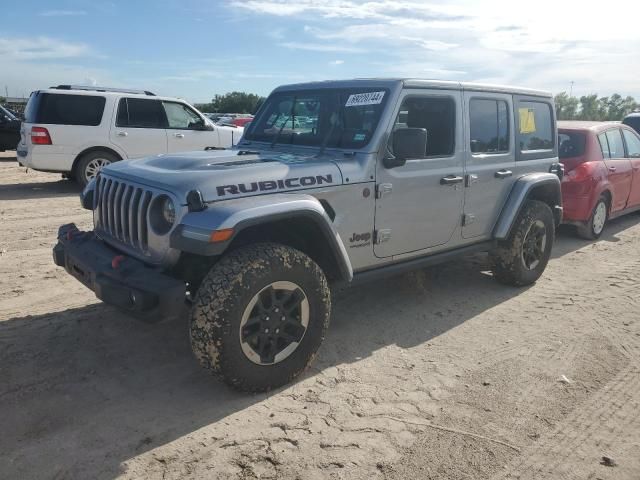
(369, 98)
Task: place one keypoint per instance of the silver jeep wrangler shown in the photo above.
(337, 181)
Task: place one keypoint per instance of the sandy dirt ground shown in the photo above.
(438, 374)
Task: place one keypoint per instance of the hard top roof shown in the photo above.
(414, 83)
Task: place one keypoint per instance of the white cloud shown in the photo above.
(545, 46)
(63, 13)
(34, 48)
(336, 62)
(320, 47)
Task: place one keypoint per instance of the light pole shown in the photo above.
(571, 89)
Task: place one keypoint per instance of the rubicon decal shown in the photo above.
(270, 185)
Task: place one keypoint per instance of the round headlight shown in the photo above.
(168, 211)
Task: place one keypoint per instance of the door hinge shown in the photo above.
(381, 236)
(383, 189)
(468, 219)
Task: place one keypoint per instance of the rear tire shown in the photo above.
(259, 316)
(592, 230)
(90, 165)
(522, 257)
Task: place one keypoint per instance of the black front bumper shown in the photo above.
(116, 279)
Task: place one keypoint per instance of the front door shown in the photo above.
(419, 204)
(618, 168)
(632, 142)
(490, 160)
(186, 129)
(139, 128)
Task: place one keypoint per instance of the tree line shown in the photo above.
(232, 102)
(590, 107)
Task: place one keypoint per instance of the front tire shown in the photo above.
(90, 165)
(595, 226)
(259, 316)
(522, 257)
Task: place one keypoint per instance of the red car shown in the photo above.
(241, 121)
(602, 173)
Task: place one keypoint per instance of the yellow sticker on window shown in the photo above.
(527, 120)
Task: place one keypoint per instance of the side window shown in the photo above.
(179, 116)
(437, 115)
(633, 144)
(62, 109)
(141, 113)
(535, 126)
(616, 147)
(604, 145)
(489, 126)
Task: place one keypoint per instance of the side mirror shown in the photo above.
(4, 118)
(407, 143)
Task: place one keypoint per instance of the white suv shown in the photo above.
(78, 130)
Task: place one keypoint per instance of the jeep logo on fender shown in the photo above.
(268, 185)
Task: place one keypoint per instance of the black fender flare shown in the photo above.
(539, 186)
(193, 235)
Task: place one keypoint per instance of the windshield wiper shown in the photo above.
(292, 114)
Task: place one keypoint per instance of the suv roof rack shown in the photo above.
(103, 89)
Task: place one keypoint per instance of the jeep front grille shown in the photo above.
(121, 211)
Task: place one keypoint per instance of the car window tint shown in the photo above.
(571, 144)
(616, 147)
(143, 113)
(61, 109)
(180, 116)
(535, 126)
(633, 144)
(489, 126)
(604, 145)
(437, 115)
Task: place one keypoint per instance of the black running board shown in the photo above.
(420, 262)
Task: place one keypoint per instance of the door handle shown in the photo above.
(178, 135)
(503, 173)
(612, 169)
(122, 134)
(451, 180)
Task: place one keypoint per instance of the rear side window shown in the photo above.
(489, 126)
(616, 147)
(633, 144)
(62, 109)
(571, 144)
(141, 113)
(535, 126)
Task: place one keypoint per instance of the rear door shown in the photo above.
(618, 166)
(489, 160)
(632, 144)
(186, 130)
(140, 127)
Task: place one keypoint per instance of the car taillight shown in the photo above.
(40, 136)
(581, 173)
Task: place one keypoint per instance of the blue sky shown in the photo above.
(196, 48)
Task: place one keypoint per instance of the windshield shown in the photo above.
(334, 118)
